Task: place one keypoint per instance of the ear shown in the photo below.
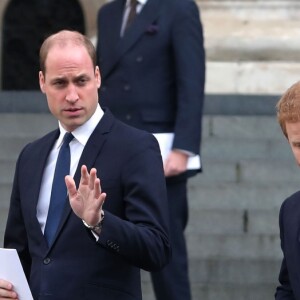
(98, 76)
(42, 81)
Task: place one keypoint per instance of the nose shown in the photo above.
(72, 95)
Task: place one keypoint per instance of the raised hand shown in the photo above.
(87, 200)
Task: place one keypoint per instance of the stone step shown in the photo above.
(238, 196)
(26, 125)
(233, 149)
(259, 171)
(251, 77)
(208, 291)
(257, 50)
(5, 192)
(269, 171)
(251, 30)
(226, 222)
(223, 291)
(222, 271)
(230, 271)
(234, 246)
(7, 170)
(12, 146)
(253, 127)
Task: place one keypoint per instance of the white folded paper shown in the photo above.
(165, 141)
(12, 271)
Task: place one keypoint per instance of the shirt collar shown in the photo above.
(83, 132)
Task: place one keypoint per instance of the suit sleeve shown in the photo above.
(189, 58)
(284, 290)
(141, 237)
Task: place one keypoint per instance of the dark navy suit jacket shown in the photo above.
(153, 77)
(134, 233)
(289, 276)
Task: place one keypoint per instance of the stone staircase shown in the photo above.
(232, 236)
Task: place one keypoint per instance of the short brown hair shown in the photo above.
(288, 107)
(62, 38)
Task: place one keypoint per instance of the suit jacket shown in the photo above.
(289, 276)
(153, 77)
(134, 233)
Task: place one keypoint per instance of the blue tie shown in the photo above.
(59, 189)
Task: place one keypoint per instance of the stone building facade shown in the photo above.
(252, 46)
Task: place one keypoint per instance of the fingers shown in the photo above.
(71, 186)
(6, 290)
(4, 284)
(175, 164)
(84, 175)
(90, 179)
(95, 187)
(93, 178)
(102, 199)
(87, 179)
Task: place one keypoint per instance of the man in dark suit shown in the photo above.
(109, 229)
(153, 74)
(288, 115)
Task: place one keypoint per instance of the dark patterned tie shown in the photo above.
(132, 13)
(59, 189)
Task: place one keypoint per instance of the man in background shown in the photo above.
(152, 60)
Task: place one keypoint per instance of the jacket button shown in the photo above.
(128, 117)
(139, 59)
(47, 261)
(127, 87)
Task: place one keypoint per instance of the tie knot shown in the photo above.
(133, 3)
(68, 137)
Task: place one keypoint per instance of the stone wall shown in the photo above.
(252, 46)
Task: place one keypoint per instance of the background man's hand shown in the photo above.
(175, 163)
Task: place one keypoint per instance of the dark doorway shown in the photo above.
(25, 26)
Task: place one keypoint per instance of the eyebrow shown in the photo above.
(64, 78)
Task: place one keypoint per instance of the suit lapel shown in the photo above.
(94, 144)
(36, 171)
(38, 167)
(138, 27)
